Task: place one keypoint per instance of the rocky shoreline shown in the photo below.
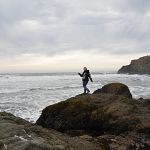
(108, 119)
(18, 134)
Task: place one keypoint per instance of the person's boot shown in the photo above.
(88, 91)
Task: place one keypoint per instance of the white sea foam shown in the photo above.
(25, 95)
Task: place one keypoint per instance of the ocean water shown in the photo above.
(25, 95)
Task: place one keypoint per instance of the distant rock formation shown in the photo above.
(139, 66)
(109, 116)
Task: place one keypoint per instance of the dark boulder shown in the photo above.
(96, 113)
(115, 88)
(111, 119)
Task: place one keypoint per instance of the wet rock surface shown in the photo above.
(18, 134)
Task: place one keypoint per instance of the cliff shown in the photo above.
(139, 66)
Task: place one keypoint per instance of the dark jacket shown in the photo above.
(86, 76)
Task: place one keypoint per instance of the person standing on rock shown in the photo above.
(85, 79)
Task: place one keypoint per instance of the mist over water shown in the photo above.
(25, 95)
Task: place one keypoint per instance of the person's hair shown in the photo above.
(85, 68)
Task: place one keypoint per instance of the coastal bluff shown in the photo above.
(138, 66)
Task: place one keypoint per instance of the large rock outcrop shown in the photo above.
(139, 66)
(117, 120)
(99, 112)
(107, 110)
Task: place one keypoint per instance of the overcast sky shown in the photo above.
(66, 35)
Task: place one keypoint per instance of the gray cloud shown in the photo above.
(56, 26)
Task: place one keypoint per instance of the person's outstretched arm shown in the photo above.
(81, 75)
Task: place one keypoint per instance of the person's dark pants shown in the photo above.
(85, 86)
